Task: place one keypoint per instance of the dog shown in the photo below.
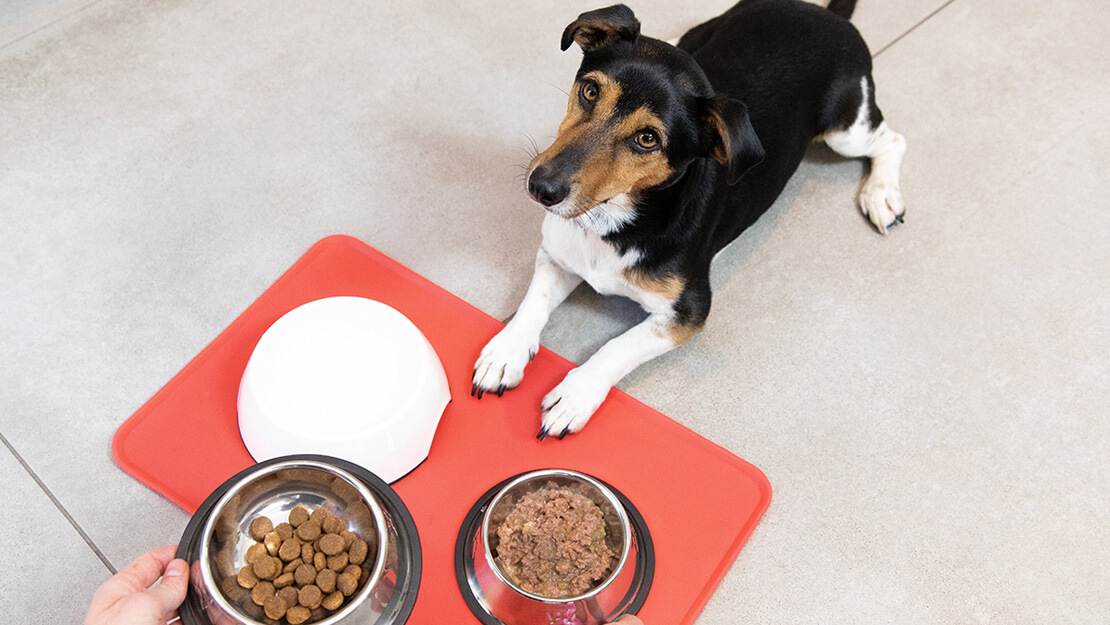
(667, 153)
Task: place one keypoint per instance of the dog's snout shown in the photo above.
(546, 188)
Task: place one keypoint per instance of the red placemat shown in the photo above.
(700, 502)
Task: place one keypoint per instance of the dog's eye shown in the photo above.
(590, 91)
(647, 139)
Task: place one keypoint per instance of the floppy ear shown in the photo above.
(597, 29)
(727, 136)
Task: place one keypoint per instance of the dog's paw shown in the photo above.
(500, 366)
(881, 202)
(568, 406)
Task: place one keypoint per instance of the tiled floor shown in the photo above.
(929, 406)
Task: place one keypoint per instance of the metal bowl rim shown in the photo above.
(626, 527)
(216, 593)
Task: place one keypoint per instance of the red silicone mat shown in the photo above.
(700, 502)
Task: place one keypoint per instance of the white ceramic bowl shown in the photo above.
(347, 377)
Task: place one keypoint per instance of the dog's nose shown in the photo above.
(546, 189)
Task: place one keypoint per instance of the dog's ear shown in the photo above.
(727, 136)
(600, 28)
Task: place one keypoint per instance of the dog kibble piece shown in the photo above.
(308, 531)
(333, 601)
(261, 592)
(252, 610)
(326, 580)
(346, 584)
(310, 597)
(284, 531)
(320, 561)
(260, 527)
(283, 580)
(348, 538)
(305, 574)
(354, 571)
(334, 524)
(298, 515)
(290, 594)
(247, 579)
(359, 550)
(290, 550)
(255, 552)
(275, 607)
(306, 552)
(297, 614)
(267, 568)
(331, 544)
(292, 566)
(339, 562)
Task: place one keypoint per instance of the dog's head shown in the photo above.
(640, 112)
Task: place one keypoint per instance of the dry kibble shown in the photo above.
(333, 601)
(305, 574)
(310, 597)
(275, 607)
(354, 571)
(290, 594)
(297, 615)
(283, 580)
(267, 568)
(359, 550)
(292, 566)
(290, 550)
(307, 552)
(334, 524)
(272, 542)
(256, 551)
(284, 530)
(308, 531)
(261, 592)
(247, 578)
(331, 544)
(298, 515)
(346, 584)
(320, 514)
(252, 610)
(260, 527)
(339, 562)
(326, 580)
(348, 538)
(320, 561)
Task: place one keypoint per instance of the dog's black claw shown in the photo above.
(473, 389)
(543, 434)
(564, 433)
(900, 218)
(501, 391)
(481, 391)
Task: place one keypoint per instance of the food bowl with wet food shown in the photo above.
(301, 540)
(553, 546)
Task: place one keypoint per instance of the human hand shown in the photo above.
(128, 599)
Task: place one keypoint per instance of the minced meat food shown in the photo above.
(553, 543)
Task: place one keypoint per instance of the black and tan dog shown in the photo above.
(666, 155)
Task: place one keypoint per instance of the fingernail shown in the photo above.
(175, 568)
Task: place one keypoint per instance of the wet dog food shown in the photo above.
(301, 570)
(552, 543)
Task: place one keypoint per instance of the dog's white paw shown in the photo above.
(500, 366)
(881, 202)
(568, 406)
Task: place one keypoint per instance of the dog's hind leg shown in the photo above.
(868, 135)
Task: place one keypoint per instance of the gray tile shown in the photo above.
(39, 544)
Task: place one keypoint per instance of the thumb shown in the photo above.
(171, 591)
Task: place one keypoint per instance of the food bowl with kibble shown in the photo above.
(348, 377)
(554, 546)
(357, 560)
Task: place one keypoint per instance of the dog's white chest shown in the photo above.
(600, 264)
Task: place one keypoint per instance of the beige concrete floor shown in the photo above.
(929, 406)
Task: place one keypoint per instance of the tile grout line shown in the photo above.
(58, 505)
(913, 28)
(48, 25)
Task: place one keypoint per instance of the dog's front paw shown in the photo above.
(881, 202)
(568, 406)
(500, 366)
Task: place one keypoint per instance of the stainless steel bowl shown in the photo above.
(273, 489)
(496, 599)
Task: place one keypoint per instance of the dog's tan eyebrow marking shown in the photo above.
(641, 119)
